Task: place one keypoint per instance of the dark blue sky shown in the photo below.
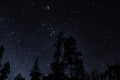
(28, 29)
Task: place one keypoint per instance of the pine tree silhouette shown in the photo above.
(1, 53)
(5, 70)
(19, 77)
(113, 72)
(95, 75)
(57, 65)
(67, 65)
(73, 60)
(36, 73)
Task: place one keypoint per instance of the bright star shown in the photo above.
(48, 7)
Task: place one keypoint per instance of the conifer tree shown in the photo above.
(57, 65)
(5, 70)
(95, 75)
(113, 72)
(1, 53)
(73, 59)
(36, 73)
(19, 77)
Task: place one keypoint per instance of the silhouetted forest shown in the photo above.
(67, 65)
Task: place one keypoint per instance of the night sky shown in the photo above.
(28, 29)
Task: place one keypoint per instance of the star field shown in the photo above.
(28, 29)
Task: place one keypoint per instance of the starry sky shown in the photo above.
(28, 29)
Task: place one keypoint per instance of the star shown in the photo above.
(52, 33)
(111, 46)
(12, 33)
(48, 64)
(33, 3)
(18, 41)
(48, 7)
(18, 25)
(1, 19)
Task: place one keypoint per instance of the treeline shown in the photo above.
(67, 65)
